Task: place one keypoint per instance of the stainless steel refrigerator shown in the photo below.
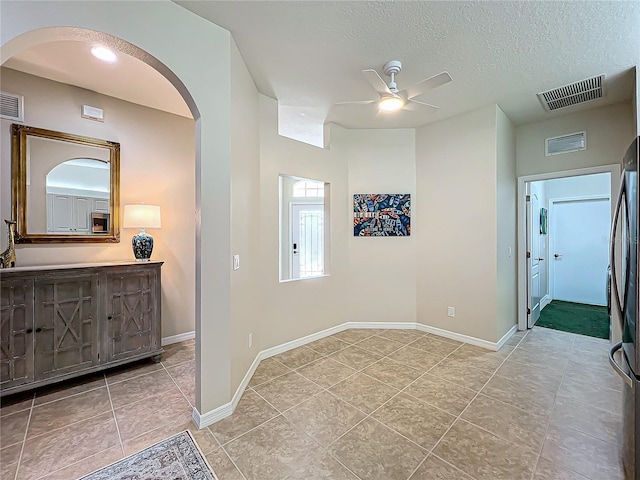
(623, 302)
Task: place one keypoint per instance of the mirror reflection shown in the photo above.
(65, 186)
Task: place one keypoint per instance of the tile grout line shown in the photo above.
(281, 413)
(142, 374)
(75, 463)
(66, 396)
(555, 401)
(345, 467)
(546, 432)
(323, 389)
(368, 415)
(113, 412)
(232, 462)
(432, 452)
(476, 396)
(24, 440)
(176, 384)
(453, 466)
(413, 472)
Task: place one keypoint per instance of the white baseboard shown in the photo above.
(458, 336)
(270, 352)
(226, 410)
(384, 325)
(546, 300)
(245, 381)
(505, 338)
(181, 337)
(213, 416)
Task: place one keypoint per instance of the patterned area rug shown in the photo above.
(176, 458)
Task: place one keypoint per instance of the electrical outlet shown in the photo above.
(250, 339)
(451, 311)
(236, 262)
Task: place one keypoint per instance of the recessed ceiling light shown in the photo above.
(390, 104)
(104, 54)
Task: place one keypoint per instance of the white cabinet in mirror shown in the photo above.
(75, 190)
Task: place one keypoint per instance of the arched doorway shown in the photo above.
(199, 84)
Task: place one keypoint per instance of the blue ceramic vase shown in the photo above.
(142, 244)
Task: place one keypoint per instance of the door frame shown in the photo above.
(552, 205)
(529, 221)
(614, 170)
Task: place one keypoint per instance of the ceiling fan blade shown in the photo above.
(357, 102)
(422, 103)
(376, 81)
(432, 82)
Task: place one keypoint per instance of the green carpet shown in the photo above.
(578, 318)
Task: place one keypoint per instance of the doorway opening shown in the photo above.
(564, 231)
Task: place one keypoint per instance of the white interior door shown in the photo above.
(533, 255)
(580, 238)
(307, 240)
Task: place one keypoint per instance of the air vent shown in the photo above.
(572, 94)
(11, 106)
(574, 142)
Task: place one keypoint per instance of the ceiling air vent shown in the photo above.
(11, 106)
(572, 94)
(573, 142)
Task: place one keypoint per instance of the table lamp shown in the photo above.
(142, 216)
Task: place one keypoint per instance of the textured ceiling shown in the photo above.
(310, 55)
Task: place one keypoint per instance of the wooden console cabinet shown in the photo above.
(63, 321)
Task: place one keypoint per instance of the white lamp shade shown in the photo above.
(141, 216)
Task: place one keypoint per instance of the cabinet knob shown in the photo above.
(109, 317)
(29, 330)
(38, 330)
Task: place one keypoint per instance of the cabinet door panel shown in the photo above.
(66, 324)
(81, 213)
(131, 313)
(16, 342)
(62, 213)
(101, 205)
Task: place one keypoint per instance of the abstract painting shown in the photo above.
(382, 215)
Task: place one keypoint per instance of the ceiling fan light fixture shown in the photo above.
(104, 54)
(390, 104)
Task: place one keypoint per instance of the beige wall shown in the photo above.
(246, 289)
(609, 133)
(507, 315)
(370, 279)
(382, 270)
(156, 166)
(291, 310)
(456, 255)
(206, 86)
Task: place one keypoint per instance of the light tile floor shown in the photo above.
(361, 404)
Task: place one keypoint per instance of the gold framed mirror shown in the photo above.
(65, 188)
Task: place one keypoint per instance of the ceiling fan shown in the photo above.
(392, 99)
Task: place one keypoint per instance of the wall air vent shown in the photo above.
(11, 106)
(572, 94)
(573, 142)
